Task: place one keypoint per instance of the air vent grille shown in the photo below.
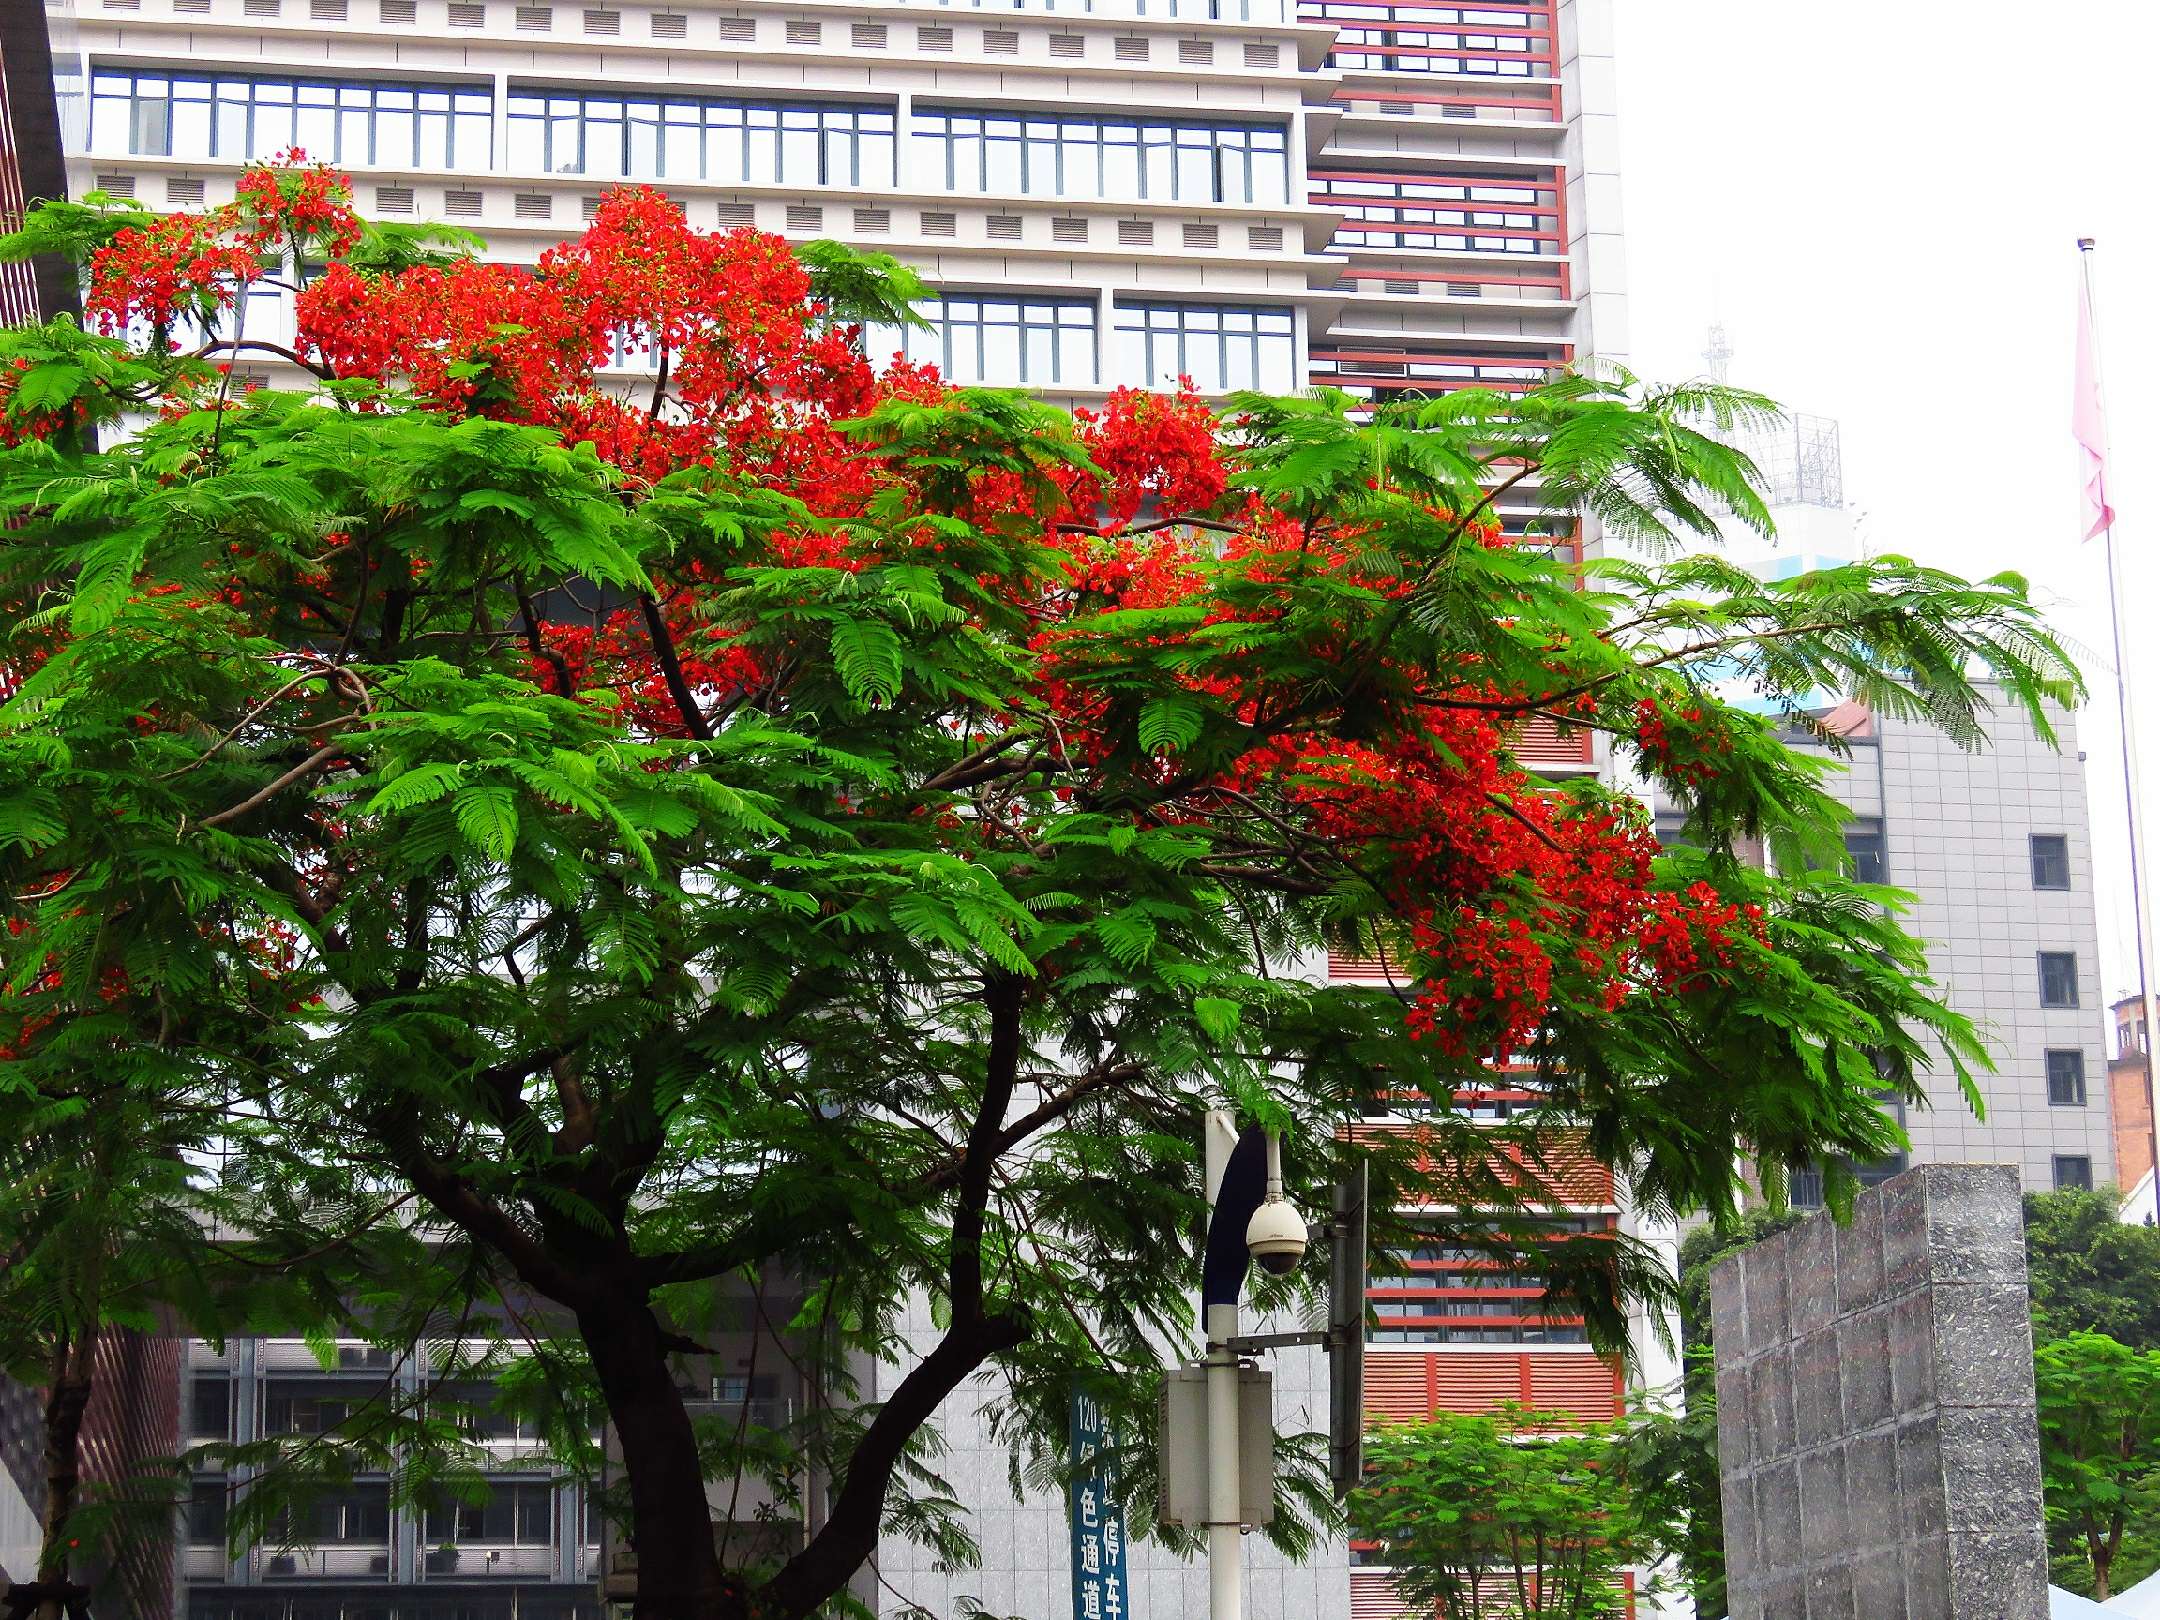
(1068, 47)
(393, 199)
(326, 10)
(462, 204)
(123, 5)
(1403, 288)
(1132, 50)
(1263, 56)
(802, 32)
(738, 28)
(184, 193)
(1072, 231)
(399, 11)
(262, 8)
(873, 221)
(940, 224)
(1196, 52)
(1450, 110)
(1001, 42)
(805, 217)
(1202, 236)
(1264, 238)
(670, 25)
(197, 7)
(1398, 109)
(589, 207)
(867, 36)
(468, 16)
(603, 22)
(1003, 227)
(535, 205)
(535, 19)
(115, 185)
(736, 216)
(1465, 289)
(934, 37)
(1135, 233)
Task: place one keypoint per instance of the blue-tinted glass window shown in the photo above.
(1041, 342)
(237, 118)
(2066, 1077)
(699, 138)
(1220, 347)
(1116, 160)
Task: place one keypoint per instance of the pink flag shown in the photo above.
(2087, 425)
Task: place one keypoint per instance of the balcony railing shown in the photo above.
(1382, 372)
(1488, 61)
(1449, 213)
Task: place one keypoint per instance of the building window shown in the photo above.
(2066, 1078)
(356, 1514)
(206, 1507)
(686, 138)
(1117, 160)
(514, 1515)
(2058, 979)
(2050, 861)
(1865, 856)
(1670, 829)
(236, 119)
(2073, 1171)
(999, 341)
(1218, 347)
(299, 1408)
(210, 1409)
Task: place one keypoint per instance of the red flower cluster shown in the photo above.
(668, 348)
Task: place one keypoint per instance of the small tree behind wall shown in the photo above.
(1522, 1513)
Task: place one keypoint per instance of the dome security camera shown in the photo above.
(1276, 1237)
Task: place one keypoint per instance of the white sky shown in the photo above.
(1881, 202)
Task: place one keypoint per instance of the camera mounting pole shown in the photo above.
(1238, 1167)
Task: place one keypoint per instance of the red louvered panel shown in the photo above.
(1398, 1389)
(1567, 1174)
(1583, 1386)
(1373, 1596)
(1343, 967)
(1471, 1384)
(1540, 742)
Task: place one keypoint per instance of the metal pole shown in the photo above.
(2141, 932)
(1225, 1549)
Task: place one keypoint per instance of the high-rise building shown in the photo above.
(1395, 197)
(1995, 844)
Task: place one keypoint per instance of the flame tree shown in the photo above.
(760, 813)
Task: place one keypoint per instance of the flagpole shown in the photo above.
(2131, 795)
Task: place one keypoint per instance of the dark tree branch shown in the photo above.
(663, 642)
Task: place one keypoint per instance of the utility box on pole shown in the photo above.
(1183, 1431)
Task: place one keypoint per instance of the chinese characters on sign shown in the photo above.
(1098, 1523)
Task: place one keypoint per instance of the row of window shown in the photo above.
(721, 140)
(1045, 343)
(518, 1513)
(1106, 159)
(2048, 854)
(318, 1406)
(379, 1603)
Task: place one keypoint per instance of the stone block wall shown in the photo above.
(1877, 1442)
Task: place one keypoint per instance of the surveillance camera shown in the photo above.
(1276, 1237)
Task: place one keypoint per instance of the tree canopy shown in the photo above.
(1523, 1513)
(601, 769)
(2092, 1272)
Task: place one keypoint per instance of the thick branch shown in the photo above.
(262, 796)
(663, 642)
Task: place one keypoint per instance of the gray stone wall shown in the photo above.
(1876, 1433)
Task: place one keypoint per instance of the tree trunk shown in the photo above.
(678, 1572)
(65, 1403)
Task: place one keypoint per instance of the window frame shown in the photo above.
(2045, 959)
(2061, 849)
(2080, 1180)
(236, 104)
(717, 140)
(2082, 1098)
(1144, 326)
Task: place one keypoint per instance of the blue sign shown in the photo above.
(1098, 1523)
